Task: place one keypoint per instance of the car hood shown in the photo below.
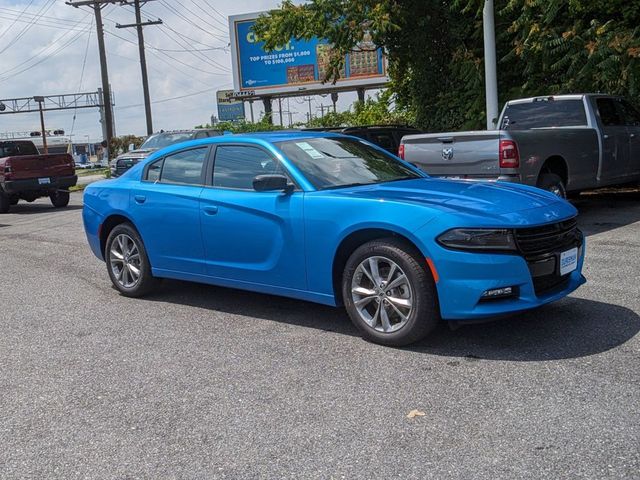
(484, 199)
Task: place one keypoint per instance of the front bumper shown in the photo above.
(34, 185)
(464, 277)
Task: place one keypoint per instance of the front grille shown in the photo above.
(541, 247)
(537, 242)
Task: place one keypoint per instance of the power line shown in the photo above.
(190, 22)
(84, 63)
(164, 100)
(45, 7)
(14, 22)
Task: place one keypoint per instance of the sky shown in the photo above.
(50, 48)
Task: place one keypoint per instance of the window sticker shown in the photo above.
(309, 150)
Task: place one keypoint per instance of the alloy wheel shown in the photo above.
(382, 294)
(124, 258)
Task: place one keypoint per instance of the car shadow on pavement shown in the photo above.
(607, 209)
(23, 208)
(570, 328)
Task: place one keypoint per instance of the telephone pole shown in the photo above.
(143, 59)
(97, 6)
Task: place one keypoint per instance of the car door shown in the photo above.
(251, 236)
(615, 141)
(631, 118)
(166, 210)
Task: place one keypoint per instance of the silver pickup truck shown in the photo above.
(564, 143)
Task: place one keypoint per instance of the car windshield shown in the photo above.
(161, 140)
(343, 162)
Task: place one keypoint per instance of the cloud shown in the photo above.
(46, 58)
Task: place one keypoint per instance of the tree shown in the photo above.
(435, 49)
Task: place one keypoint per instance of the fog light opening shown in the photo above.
(499, 293)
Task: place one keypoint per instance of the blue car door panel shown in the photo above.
(251, 236)
(166, 210)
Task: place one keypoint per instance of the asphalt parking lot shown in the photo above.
(204, 382)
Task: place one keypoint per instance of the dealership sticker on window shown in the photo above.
(309, 150)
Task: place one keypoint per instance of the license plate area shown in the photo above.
(44, 181)
(568, 261)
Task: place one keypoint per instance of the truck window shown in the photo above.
(14, 149)
(608, 112)
(631, 116)
(544, 113)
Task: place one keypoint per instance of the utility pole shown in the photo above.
(490, 68)
(97, 6)
(280, 110)
(40, 99)
(143, 60)
(308, 99)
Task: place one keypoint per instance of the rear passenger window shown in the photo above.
(384, 140)
(608, 112)
(153, 170)
(184, 167)
(544, 113)
(236, 166)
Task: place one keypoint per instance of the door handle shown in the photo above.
(140, 199)
(210, 210)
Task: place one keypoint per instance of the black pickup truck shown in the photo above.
(27, 175)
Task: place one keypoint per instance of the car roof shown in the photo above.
(280, 136)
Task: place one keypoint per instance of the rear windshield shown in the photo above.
(14, 149)
(544, 113)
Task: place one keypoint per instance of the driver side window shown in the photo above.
(236, 166)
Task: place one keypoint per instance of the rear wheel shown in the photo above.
(4, 203)
(552, 183)
(13, 200)
(59, 199)
(389, 294)
(127, 262)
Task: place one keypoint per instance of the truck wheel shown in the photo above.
(552, 183)
(127, 262)
(4, 203)
(13, 200)
(389, 294)
(59, 199)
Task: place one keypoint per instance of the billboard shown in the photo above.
(229, 109)
(299, 66)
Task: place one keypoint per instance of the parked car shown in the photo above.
(335, 220)
(563, 143)
(27, 175)
(155, 142)
(385, 136)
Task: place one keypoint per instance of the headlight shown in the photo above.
(478, 239)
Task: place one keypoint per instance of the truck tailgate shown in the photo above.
(36, 166)
(455, 154)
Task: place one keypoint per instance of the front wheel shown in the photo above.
(59, 199)
(127, 262)
(389, 294)
(552, 183)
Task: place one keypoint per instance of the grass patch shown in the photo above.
(92, 171)
(77, 188)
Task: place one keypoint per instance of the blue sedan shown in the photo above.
(335, 220)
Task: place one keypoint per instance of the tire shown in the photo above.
(403, 324)
(13, 201)
(124, 255)
(552, 183)
(5, 204)
(59, 199)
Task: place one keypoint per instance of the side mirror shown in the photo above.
(271, 183)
